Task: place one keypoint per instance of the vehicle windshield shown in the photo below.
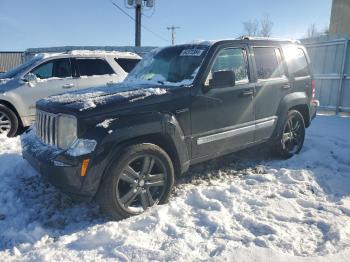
(176, 65)
(21, 68)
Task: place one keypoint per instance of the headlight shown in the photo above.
(82, 147)
(67, 130)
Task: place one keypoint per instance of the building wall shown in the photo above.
(9, 60)
(340, 18)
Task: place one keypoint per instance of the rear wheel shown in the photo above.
(142, 177)
(8, 121)
(291, 139)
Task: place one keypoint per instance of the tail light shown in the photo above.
(313, 88)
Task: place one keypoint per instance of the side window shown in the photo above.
(127, 64)
(93, 66)
(296, 61)
(59, 68)
(268, 62)
(43, 71)
(231, 59)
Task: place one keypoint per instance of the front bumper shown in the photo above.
(55, 166)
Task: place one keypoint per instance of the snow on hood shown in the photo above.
(4, 80)
(92, 97)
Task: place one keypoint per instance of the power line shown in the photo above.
(133, 19)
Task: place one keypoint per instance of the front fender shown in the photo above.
(125, 131)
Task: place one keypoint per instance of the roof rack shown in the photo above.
(267, 38)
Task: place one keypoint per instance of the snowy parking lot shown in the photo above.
(244, 206)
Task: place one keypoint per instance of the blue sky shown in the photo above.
(44, 23)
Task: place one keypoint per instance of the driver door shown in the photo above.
(53, 77)
(223, 116)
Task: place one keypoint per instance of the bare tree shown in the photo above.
(258, 28)
(326, 30)
(266, 26)
(251, 28)
(312, 31)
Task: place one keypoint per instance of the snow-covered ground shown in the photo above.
(242, 207)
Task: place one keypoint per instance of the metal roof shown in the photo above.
(9, 60)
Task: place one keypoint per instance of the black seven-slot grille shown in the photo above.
(46, 127)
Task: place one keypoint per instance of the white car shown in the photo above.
(49, 74)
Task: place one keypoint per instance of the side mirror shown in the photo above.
(30, 78)
(223, 79)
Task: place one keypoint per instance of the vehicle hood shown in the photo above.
(106, 99)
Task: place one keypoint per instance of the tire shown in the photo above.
(140, 177)
(8, 121)
(291, 139)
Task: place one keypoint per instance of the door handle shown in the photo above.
(286, 86)
(68, 85)
(110, 83)
(247, 93)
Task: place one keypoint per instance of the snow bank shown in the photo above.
(242, 207)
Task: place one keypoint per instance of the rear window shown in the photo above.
(127, 64)
(268, 62)
(296, 61)
(91, 67)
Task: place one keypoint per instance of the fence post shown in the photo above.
(342, 77)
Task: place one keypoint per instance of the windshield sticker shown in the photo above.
(192, 52)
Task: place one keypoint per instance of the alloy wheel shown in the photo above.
(5, 123)
(141, 184)
(292, 139)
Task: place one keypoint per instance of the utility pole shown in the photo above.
(173, 32)
(138, 24)
(138, 5)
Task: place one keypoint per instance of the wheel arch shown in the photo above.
(164, 131)
(294, 101)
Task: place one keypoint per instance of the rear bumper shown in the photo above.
(314, 104)
(61, 171)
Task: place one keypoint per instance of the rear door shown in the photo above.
(272, 85)
(54, 77)
(94, 72)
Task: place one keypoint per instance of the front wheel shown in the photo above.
(8, 121)
(291, 139)
(141, 177)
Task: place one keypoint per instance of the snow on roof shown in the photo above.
(85, 53)
(102, 53)
(247, 38)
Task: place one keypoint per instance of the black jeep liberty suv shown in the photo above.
(181, 105)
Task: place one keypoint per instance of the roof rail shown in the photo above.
(267, 38)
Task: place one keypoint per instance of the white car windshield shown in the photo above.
(176, 65)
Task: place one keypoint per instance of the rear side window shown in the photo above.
(268, 62)
(127, 64)
(296, 61)
(91, 67)
(60, 68)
